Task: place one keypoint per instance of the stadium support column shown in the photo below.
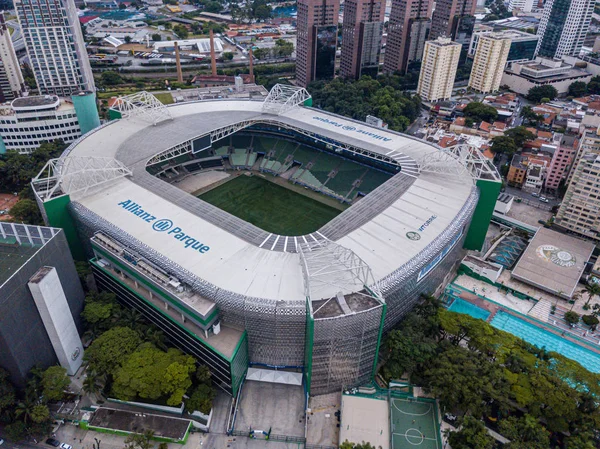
(86, 110)
(488, 193)
(56, 214)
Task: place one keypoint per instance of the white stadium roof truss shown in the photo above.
(330, 268)
(283, 97)
(142, 104)
(472, 163)
(72, 174)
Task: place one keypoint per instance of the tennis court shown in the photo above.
(414, 424)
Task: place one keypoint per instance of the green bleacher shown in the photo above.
(348, 172)
(304, 155)
(238, 157)
(323, 166)
(251, 159)
(240, 141)
(263, 144)
(221, 151)
(372, 180)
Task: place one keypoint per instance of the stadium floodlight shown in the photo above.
(142, 104)
(282, 98)
(70, 175)
(330, 268)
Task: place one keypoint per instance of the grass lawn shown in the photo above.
(165, 98)
(270, 206)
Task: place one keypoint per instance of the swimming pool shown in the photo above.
(543, 339)
(462, 306)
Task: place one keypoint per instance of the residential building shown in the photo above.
(522, 45)
(563, 27)
(489, 62)
(589, 143)
(41, 301)
(407, 32)
(55, 46)
(29, 121)
(454, 19)
(528, 170)
(522, 5)
(362, 31)
(316, 40)
(522, 76)
(438, 69)
(580, 209)
(12, 83)
(562, 158)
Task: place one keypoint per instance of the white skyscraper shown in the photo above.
(438, 69)
(523, 5)
(563, 27)
(11, 78)
(55, 46)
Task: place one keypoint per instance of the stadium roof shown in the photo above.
(386, 229)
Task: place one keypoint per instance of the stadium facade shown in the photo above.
(235, 295)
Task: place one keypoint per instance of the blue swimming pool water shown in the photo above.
(462, 306)
(543, 339)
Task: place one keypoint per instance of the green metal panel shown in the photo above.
(239, 364)
(308, 103)
(2, 146)
(114, 115)
(59, 217)
(383, 311)
(488, 194)
(308, 346)
(86, 110)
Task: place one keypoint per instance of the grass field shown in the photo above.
(269, 206)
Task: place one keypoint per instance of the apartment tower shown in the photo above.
(563, 27)
(438, 69)
(361, 37)
(55, 46)
(316, 40)
(11, 78)
(454, 19)
(408, 29)
(489, 62)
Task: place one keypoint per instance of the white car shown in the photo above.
(1, 441)
(66, 446)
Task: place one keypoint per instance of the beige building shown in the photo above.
(489, 62)
(580, 209)
(438, 69)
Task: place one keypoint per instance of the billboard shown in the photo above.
(201, 143)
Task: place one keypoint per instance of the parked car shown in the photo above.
(66, 446)
(53, 442)
(543, 199)
(535, 195)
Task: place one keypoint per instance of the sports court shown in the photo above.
(365, 418)
(414, 423)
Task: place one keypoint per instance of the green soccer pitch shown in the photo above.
(270, 206)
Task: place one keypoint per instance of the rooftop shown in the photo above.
(35, 101)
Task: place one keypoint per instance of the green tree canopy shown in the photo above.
(109, 350)
(7, 391)
(593, 87)
(520, 135)
(503, 144)
(537, 93)
(480, 112)
(524, 433)
(110, 78)
(26, 211)
(201, 399)
(472, 435)
(55, 382)
(577, 89)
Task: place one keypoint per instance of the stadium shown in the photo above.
(267, 234)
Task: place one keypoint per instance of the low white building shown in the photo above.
(197, 45)
(504, 203)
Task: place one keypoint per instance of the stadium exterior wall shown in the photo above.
(279, 331)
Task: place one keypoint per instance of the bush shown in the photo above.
(590, 320)
(571, 317)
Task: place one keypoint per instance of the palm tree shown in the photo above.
(592, 290)
(576, 297)
(26, 408)
(156, 337)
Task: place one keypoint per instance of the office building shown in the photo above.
(522, 5)
(12, 83)
(454, 19)
(580, 209)
(41, 300)
(563, 27)
(316, 40)
(408, 29)
(489, 62)
(55, 46)
(27, 122)
(566, 149)
(361, 37)
(522, 45)
(438, 69)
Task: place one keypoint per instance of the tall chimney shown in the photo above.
(213, 58)
(178, 63)
(251, 65)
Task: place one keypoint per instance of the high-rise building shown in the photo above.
(580, 209)
(55, 46)
(563, 27)
(438, 69)
(11, 78)
(41, 300)
(408, 29)
(489, 62)
(522, 5)
(361, 37)
(522, 44)
(454, 19)
(316, 40)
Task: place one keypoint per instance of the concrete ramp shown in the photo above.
(275, 377)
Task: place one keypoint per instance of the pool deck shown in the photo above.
(554, 325)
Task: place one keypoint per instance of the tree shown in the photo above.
(214, 7)
(227, 56)
(26, 211)
(571, 317)
(592, 290)
(524, 433)
(283, 48)
(16, 431)
(593, 86)
(140, 440)
(181, 31)
(480, 112)
(348, 445)
(110, 78)
(504, 145)
(538, 93)
(7, 391)
(40, 413)
(520, 135)
(577, 89)
(91, 385)
(127, 39)
(590, 320)
(97, 312)
(156, 37)
(201, 399)
(472, 435)
(54, 383)
(109, 350)
(263, 12)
